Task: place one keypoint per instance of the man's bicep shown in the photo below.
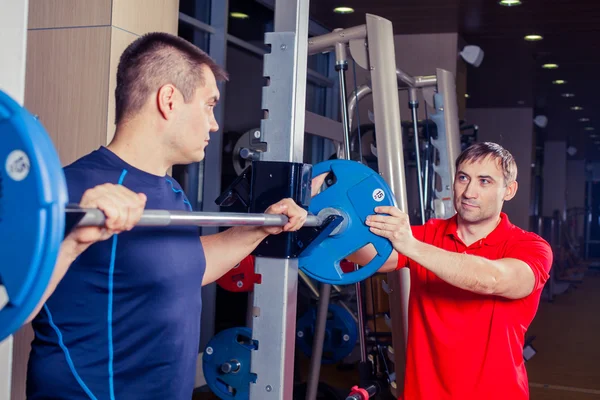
(529, 264)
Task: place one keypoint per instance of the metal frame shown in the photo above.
(275, 299)
(379, 35)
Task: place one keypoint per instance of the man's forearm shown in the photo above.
(468, 272)
(66, 256)
(226, 249)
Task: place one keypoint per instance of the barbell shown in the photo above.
(35, 215)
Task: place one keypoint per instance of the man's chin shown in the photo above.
(468, 216)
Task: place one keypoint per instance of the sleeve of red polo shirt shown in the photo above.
(535, 252)
(419, 234)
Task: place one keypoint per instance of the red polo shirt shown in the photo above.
(463, 345)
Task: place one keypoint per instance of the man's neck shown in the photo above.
(470, 233)
(140, 147)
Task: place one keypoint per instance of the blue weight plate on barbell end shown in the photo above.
(341, 333)
(357, 191)
(231, 346)
(33, 196)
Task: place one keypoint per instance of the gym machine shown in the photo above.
(271, 368)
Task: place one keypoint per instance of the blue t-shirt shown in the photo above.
(124, 323)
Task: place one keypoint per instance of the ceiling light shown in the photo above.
(472, 54)
(576, 108)
(541, 121)
(550, 66)
(533, 38)
(593, 136)
(588, 128)
(597, 142)
(559, 82)
(343, 10)
(239, 15)
(467, 95)
(509, 3)
(567, 95)
(584, 119)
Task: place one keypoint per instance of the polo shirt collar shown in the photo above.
(499, 234)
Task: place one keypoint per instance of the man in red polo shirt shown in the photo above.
(476, 281)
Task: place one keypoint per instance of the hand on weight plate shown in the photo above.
(394, 226)
(122, 208)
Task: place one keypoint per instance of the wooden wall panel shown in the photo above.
(68, 13)
(67, 86)
(142, 16)
(119, 40)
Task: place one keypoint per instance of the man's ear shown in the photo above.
(511, 190)
(165, 99)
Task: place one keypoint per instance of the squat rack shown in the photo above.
(274, 300)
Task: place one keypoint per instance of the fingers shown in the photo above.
(122, 207)
(381, 232)
(390, 210)
(296, 214)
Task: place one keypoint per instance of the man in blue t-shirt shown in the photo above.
(121, 316)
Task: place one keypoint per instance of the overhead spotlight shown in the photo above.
(593, 136)
(567, 95)
(343, 10)
(467, 95)
(571, 150)
(584, 119)
(533, 38)
(473, 55)
(550, 66)
(588, 128)
(238, 15)
(510, 3)
(576, 108)
(541, 121)
(559, 82)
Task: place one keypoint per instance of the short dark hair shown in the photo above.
(156, 59)
(480, 151)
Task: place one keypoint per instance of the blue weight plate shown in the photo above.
(357, 191)
(229, 346)
(33, 196)
(341, 333)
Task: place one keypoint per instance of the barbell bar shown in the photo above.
(95, 217)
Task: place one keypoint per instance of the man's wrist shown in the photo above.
(71, 249)
(413, 249)
(256, 233)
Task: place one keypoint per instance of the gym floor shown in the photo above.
(567, 363)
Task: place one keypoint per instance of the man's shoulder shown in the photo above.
(518, 234)
(520, 241)
(87, 172)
